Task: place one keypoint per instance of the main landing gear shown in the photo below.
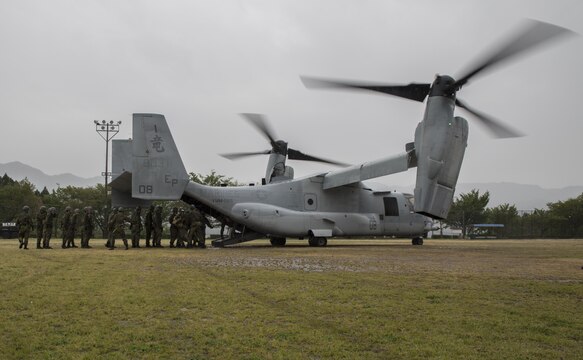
(317, 241)
(417, 241)
(277, 241)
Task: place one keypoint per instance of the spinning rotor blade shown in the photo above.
(494, 126)
(260, 123)
(293, 154)
(413, 91)
(533, 34)
(237, 156)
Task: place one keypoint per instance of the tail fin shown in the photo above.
(157, 169)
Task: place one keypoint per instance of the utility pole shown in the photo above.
(107, 130)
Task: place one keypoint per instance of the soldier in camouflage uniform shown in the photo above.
(193, 225)
(24, 225)
(173, 227)
(87, 226)
(40, 225)
(110, 226)
(65, 225)
(157, 227)
(203, 222)
(182, 231)
(48, 229)
(148, 221)
(72, 229)
(119, 228)
(136, 227)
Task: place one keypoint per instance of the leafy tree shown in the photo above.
(14, 195)
(213, 179)
(569, 216)
(45, 192)
(468, 209)
(505, 214)
(6, 180)
(538, 223)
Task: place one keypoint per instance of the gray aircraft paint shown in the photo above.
(440, 143)
(291, 208)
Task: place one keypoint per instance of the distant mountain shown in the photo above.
(524, 197)
(18, 171)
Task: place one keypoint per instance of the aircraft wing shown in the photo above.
(369, 170)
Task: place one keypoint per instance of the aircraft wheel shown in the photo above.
(277, 241)
(417, 241)
(317, 241)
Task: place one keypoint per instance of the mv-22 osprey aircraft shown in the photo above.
(335, 203)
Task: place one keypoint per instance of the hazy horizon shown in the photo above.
(67, 63)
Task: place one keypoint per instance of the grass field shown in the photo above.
(377, 299)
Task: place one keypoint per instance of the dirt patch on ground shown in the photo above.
(554, 261)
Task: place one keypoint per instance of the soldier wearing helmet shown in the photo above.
(110, 226)
(65, 225)
(193, 225)
(119, 228)
(200, 231)
(87, 226)
(180, 221)
(136, 226)
(48, 229)
(157, 227)
(24, 225)
(72, 229)
(173, 227)
(40, 225)
(148, 222)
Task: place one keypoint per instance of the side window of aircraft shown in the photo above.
(391, 206)
(310, 202)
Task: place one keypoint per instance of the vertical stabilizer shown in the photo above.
(158, 171)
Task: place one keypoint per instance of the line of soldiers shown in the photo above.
(117, 222)
(72, 224)
(187, 227)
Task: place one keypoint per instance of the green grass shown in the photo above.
(374, 299)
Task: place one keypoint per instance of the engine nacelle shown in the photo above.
(440, 144)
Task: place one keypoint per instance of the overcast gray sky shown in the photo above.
(65, 63)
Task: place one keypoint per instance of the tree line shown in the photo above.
(561, 219)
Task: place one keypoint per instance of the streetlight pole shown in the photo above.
(107, 130)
